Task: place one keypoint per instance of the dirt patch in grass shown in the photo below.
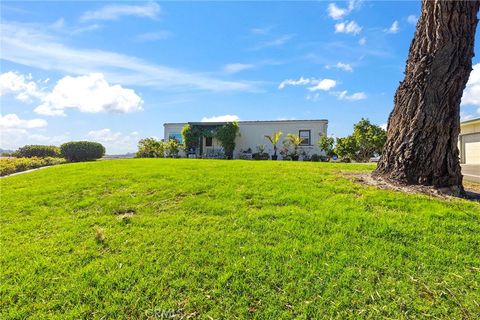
(442, 193)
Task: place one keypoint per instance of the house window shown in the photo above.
(208, 141)
(305, 135)
(176, 136)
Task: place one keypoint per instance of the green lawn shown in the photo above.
(231, 239)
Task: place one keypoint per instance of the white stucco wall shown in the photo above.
(252, 134)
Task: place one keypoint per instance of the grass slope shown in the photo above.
(231, 239)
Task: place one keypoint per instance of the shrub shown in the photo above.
(260, 156)
(150, 148)
(315, 157)
(75, 151)
(13, 165)
(226, 134)
(30, 151)
(172, 148)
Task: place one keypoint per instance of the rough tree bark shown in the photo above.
(424, 125)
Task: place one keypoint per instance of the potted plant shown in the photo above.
(274, 140)
(295, 141)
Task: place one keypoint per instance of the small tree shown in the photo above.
(295, 141)
(274, 140)
(326, 144)
(226, 134)
(150, 148)
(172, 148)
(346, 148)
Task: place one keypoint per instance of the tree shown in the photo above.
(366, 141)
(424, 125)
(326, 144)
(150, 148)
(274, 140)
(226, 134)
(295, 141)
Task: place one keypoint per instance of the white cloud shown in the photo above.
(153, 36)
(237, 67)
(20, 85)
(384, 126)
(394, 28)
(362, 41)
(471, 94)
(28, 45)
(341, 66)
(224, 118)
(335, 12)
(90, 93)
(324, 85)
(292, 82)
(262, 31)
(412, 19)
(343, 95)
(114, 142)
(115, 11)
(11, 123)
(348, 27)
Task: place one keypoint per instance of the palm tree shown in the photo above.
(274, 140)
(296, 141)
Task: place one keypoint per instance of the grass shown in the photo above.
(153, 238)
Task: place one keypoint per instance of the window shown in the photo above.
(208, 141)
(176, 136)
(305, 136)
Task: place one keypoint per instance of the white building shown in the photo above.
(469, 142)
(253, 134)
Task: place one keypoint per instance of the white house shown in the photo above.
(253, 134)
(469, 142)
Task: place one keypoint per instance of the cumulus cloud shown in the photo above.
(337, 13)
(412, 19)
(12, 123)
(343, 95)
(471, 94)
(292, 82)
(90, 93)
(224, 118)
(116, 11)
(324, 85)
(237, 67)
(20, 85)
(394, 28)
(348, 27)
(341, 66)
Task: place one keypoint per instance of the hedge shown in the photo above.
(30, 151)
(75, 151)
(13, 165)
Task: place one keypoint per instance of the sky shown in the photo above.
(115, 72)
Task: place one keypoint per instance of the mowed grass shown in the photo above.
(231, 240)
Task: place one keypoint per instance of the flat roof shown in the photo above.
(470, 121)
(248, 121)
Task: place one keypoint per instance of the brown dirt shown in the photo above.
(472, 190)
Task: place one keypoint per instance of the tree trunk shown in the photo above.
(424, 125)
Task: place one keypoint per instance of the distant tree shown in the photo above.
(366, 141)
(327, 144)
(150, 148)
(424, 125)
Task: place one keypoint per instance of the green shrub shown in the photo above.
(75, 151)
(30, 151)
(150, 148)
(13, 165)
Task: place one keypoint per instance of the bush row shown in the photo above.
(13, 165)
(72, 151)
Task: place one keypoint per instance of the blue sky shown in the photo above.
(114, 72)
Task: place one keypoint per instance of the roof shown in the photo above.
(470, 121)
(251, 121)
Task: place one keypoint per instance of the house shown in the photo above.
(252, 135)
(469, 142)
